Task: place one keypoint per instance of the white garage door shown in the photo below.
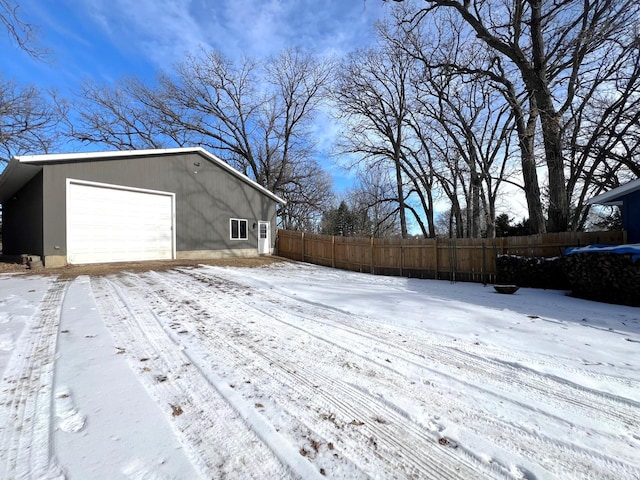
(109, 223)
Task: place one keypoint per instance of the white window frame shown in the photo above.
(246, 229)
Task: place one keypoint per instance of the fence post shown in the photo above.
(333, 251)
(302, 247)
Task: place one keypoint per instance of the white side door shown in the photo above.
(263, 238)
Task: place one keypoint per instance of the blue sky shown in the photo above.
(105, 40)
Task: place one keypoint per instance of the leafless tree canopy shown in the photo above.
(254, 115)
(568, 73)
(434, 129)
(29, 120)
(20, 32)
(371, 98)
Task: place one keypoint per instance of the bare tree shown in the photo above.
(450, 53)
(254, 115)
(127, 116)
(469, 128)
(308, 196)
(375, 194)
(19, 31)
(371, 98)
(603, 127)
(543, 46)
(29, 120)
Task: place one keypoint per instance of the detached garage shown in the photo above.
(133, 205)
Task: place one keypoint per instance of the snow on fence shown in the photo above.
(468, 259)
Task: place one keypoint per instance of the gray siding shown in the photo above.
(207, 196)
(22, 220)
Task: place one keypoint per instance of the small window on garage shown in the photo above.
(238, 229)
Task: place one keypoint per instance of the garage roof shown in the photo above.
(23, 168)
(614, 197)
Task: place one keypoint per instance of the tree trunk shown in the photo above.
(430, 220)
(475, 204)
(526, 136)
(538, 86)
(552, 135)
(403, 215)
(531, 186)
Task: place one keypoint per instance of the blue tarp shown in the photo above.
(633, 249)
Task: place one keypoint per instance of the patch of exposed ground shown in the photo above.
(72, 271)
(7, 266)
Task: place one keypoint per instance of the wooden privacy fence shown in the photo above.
(469, 259)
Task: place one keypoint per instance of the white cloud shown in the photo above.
(159, 30)
(163, 30)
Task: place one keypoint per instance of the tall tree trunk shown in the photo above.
(459, 224)
(475, 204)
(403, 215)
(491, 217)
(531, 186)
(526, 135)
(430, 220)
(538, 84)
(552, 136)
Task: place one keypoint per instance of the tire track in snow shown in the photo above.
(375, 421)
(26, 394)
(586, 459)
(593, 403)
(296, 430)
(486, 371)
(570, 371)
(211, 429)
(549, 452)
(213, 272)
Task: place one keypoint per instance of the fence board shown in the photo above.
(467, 259)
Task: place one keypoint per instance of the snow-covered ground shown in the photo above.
(294, 370)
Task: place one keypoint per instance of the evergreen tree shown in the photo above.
(344, 222)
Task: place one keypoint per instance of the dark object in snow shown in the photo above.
(534, 272)
(605, 275)
(506, 288)
(447, 442)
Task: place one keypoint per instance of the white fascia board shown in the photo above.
(61, 157)
(141, 153)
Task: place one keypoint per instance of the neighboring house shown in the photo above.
(627, 197)
(181, 203)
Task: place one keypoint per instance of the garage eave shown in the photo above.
(15, 176)
(614, 197)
